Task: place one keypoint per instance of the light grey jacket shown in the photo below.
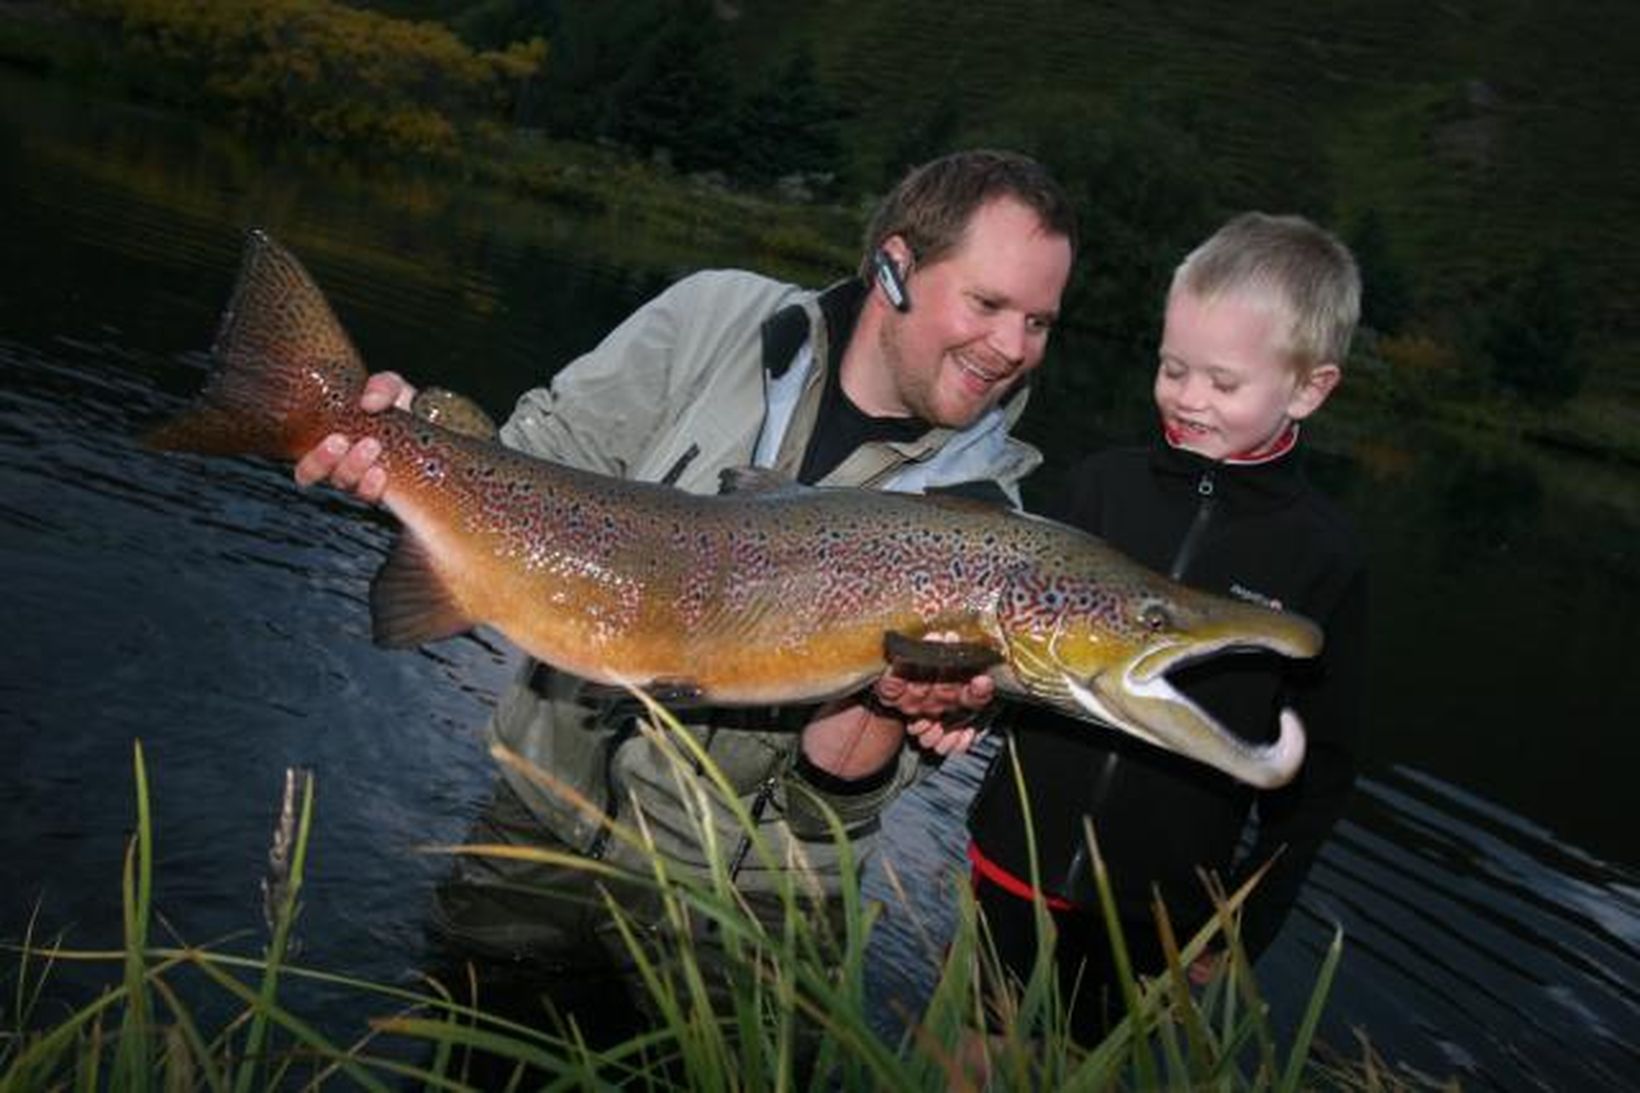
(724, 369)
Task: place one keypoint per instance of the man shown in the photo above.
(907, 378)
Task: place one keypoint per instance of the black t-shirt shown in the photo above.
(843, 427)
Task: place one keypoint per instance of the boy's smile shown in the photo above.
(1224, 386)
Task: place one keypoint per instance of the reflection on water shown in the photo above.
(1484, 877)
(1475, 942)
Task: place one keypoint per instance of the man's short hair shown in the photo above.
(1302, 273)
(931, 206)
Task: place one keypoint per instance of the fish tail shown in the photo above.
(284, 372)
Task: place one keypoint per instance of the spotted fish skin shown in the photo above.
(774, 593)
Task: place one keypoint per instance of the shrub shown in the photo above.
(317, 69)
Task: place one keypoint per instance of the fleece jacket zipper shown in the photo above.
(1208, 500)
(1198, 526)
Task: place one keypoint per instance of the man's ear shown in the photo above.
(896, 248)
(1313, 390)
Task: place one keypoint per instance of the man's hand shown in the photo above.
(851, 738)
(349, 465)
(934, 711)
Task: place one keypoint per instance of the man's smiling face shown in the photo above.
(979, 319)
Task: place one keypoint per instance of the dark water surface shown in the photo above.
(1485, 877)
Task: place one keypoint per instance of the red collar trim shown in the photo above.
(984, 869)
(1285, 442)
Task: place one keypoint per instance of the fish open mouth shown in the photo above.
(1142, 701)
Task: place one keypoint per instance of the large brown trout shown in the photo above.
(774, 593)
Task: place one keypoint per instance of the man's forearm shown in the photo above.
(852, 740)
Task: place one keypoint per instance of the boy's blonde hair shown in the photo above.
(1299, 272)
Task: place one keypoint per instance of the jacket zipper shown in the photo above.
(612, 787)
(670, 478)
(1208, 500)
(1198, 526)
(760, 803)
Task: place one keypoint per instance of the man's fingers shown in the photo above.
(935, 736)
(318, 464)
(978, 692)
(372, 485)
(360, 458)
(384, 389)
(347, 466)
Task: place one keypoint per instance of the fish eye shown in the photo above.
(1155, 617)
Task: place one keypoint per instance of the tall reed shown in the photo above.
(780, 1002)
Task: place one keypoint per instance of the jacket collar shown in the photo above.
(1275, 474)
(786, 330)
(839, 305)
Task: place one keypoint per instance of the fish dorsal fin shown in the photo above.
(409, 602)
(745, 481)
(971, 503)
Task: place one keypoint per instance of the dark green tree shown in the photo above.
(1530, 335)
(494, 24)
(648, 74)
(923, 137)
(1386, 295)
(1143, 200)
(788, 125)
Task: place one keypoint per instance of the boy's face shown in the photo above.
(979, 318)
(1223, 386)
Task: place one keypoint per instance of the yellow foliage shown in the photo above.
(321, 69)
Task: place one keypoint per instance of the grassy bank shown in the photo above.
(789, 1011)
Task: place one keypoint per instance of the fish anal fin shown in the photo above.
(675, 692)
(923, 659)
(409, 602)
(668, 692)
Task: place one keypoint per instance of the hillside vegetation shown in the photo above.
(1479, 154)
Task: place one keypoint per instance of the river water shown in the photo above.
(1485, 877)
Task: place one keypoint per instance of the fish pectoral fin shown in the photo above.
(454, 412)
(409, 602)
(919, 658)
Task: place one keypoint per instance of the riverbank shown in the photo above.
(687, 220)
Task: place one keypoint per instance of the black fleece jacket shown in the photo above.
(1255, 531)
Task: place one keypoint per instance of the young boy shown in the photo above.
(1259, 320)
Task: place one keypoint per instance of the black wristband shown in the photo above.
(873, 703)
(836, 785)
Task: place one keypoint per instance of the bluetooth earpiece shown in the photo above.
(891, 280)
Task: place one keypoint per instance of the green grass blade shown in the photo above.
(215, 1077)
(132, 1061)
(1305, 1037)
